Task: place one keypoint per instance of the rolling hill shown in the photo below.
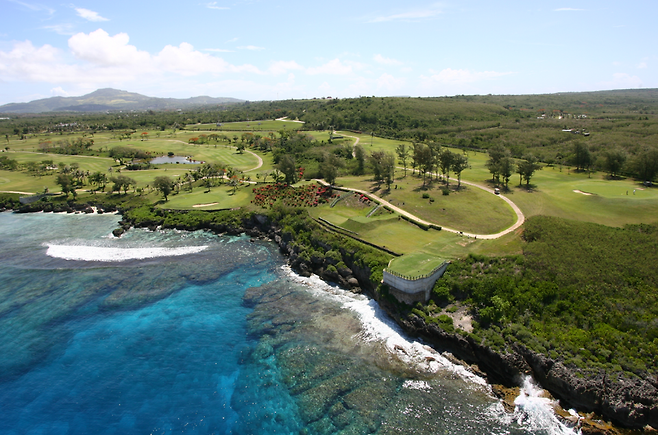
(108, 99)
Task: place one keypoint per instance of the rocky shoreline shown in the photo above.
(627, 402)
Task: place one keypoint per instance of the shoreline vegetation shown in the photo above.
(502, 350)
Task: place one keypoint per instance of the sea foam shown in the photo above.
(377, 326)
(107, 254)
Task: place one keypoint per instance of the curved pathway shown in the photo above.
(519, 214)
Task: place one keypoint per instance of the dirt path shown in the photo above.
(355, 143)
(260, 161)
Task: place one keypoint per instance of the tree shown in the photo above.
(98, 180)
(330, 167)
(645, 164)
(445, 163)
(527, 168)
(288, 167)
(376, 163)
(506, 168)
(613, 161)
(360, 156)
(459, 164)
(435, 157)
(582, 156)
(388, 169)
(122, 182)
(65, 181)
(496, 154)
(424, 159)
(403, 154)
(164, 185)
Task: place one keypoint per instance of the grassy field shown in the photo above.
(468, 209)
(401, 236)
(201, 198)
(416, 264)
(26, 151)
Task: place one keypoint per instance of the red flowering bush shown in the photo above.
(303, 196)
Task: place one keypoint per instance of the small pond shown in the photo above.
(175, 159)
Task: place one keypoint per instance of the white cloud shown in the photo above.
(218, 50)
(98, 47)
(642, 65)
(59, 92)
(89, 15)
(61, 29)
(282, 67)
(386, 61)
(334, 67)
(186, 61)
(104, 60)
(25, 62)
(567, 10)
(213, 5)
(251, 47)
(413, 15)
(460, 76)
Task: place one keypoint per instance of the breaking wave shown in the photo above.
(105, 254)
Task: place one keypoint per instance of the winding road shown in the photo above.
(520, 217)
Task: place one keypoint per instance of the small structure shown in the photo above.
(412, 289)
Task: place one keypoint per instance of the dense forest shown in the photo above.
(580, 292)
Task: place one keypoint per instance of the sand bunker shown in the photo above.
(205, 205)
(584, 193)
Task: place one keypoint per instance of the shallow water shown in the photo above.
(176, 332)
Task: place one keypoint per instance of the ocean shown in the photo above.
(192, 333)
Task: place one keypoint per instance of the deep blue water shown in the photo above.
(201, 334)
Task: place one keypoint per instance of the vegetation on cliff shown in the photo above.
(582, 293)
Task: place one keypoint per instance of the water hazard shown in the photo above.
(175, 332)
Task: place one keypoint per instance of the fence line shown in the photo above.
(415, 278)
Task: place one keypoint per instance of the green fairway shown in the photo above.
(401, 236)
(596, 199)
(13, 181)
(220, 197)
(416, 264)
(468, 209)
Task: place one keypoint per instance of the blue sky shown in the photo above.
(269, 50)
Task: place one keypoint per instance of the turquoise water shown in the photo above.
(175, 332)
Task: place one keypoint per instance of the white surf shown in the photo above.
(109, 254)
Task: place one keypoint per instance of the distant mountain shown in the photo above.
(109, 99)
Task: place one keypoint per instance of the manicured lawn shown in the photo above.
(468, 209)
(219, 197)
(416, 264)
(404, 237)
(24, 182)
(554, 195)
